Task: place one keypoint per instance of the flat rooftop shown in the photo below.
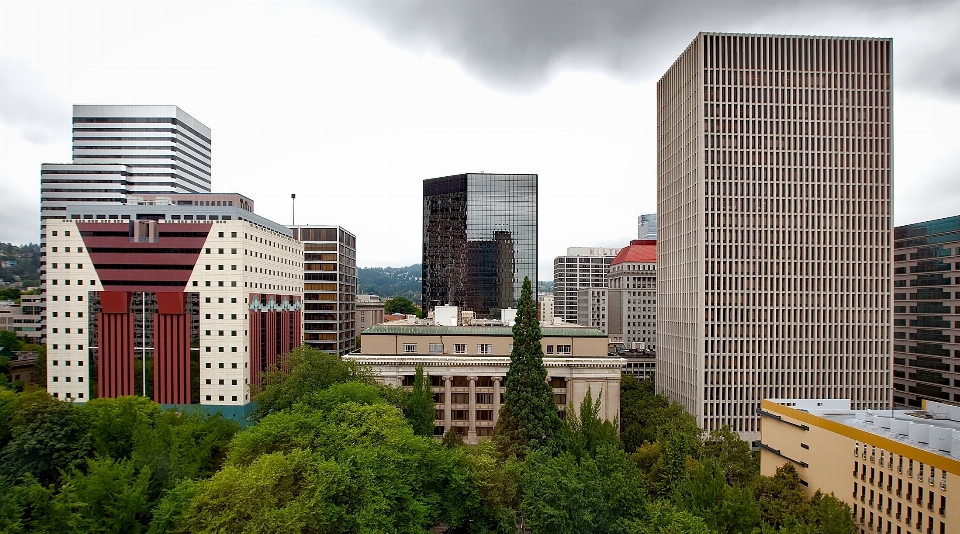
(935, 428)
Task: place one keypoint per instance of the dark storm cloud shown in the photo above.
(29, 105)
(519, 45)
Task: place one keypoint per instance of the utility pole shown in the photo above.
(293, 201)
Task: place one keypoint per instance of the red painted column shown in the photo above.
(285, 332)
(255, 354)
(271, 337)
(171, 342)
(115, 342)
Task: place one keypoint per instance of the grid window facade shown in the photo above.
(330, 288)
(774, 224)
(479, 240)
(926, 304)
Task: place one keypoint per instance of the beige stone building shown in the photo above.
(369, 310)
(468, 365)
(898, 470)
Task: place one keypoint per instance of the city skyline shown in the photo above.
(364, 102)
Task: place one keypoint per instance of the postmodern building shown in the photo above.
(122, 151)
(479, 240)
(467, 366)
(204, 297)
(775, 233)
(899, 471)
(926, 312)
(330, 287)
(632, 303)
(581, 268)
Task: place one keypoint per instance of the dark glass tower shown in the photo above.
(479, 240)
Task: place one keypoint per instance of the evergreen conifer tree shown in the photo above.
(528, 418)
(420, 408)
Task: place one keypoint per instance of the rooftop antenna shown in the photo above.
(293, 201)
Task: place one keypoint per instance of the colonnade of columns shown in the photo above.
(471, 404)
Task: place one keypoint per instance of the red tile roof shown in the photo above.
(639, 251)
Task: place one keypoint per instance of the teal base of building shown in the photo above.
(238, 413)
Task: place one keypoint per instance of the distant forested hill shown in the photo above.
(390, 282)
(545, 287)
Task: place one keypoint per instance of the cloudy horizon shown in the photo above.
(351, 104)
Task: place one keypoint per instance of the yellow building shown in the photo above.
(468, 366)
(898, 470)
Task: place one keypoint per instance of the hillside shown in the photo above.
(390, 281)
(20, 264)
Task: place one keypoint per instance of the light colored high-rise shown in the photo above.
(329, 287)
(581, 268)
(774, 205)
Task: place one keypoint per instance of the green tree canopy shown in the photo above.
(10, 341)
(403, 306)
(310, 370)
(421, 408)
(647, 417)
(528, 417)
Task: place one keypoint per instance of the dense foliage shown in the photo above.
(401, 306)
(334, 452)
(391, 281)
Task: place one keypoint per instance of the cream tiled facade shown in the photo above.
(898, 471)
(775, 224)
(238, 258)
(468, 366)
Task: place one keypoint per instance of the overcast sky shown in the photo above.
(350, 105)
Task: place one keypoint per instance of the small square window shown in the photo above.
(208, 365)
(221, 397)
(208, 397)
(233, 365)
(234, 398)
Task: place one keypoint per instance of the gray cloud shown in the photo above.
(518, 46)
(28, 104)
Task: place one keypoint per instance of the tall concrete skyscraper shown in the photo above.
(479, 240)
(774, 178)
